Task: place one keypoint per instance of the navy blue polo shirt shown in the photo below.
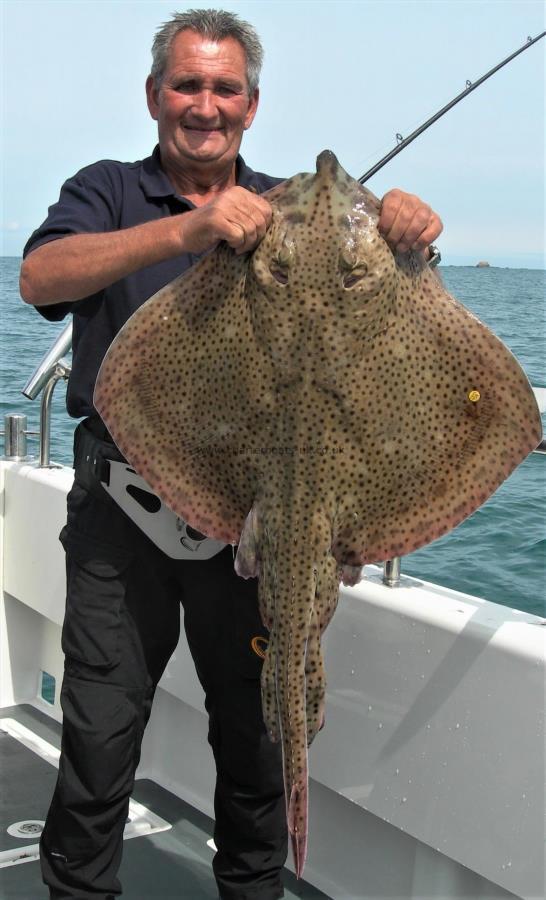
(108, 196)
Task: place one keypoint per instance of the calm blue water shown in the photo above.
(498, 553)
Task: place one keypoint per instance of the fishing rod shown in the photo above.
(470, 86)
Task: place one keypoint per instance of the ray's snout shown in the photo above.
(327, 165)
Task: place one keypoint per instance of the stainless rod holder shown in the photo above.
(391, 572)
(46, 368)
(60, 372)
(15, 437)
(51, 369)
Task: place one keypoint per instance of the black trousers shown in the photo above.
(121, 627)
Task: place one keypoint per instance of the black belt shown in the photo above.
(93, 449)
(96, 427)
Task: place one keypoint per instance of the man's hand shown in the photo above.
(236, 216)
(407, 223)
(79, 265)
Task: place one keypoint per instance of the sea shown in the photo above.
(498, 553)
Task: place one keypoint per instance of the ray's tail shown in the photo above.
(305, 598)
(286, 593)
(289, 642)
(298, 590)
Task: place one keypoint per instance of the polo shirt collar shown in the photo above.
(155, 182)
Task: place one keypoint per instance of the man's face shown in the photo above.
(202, 106)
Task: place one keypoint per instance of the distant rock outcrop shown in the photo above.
(482, 264)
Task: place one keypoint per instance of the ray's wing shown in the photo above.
(440, 414)
(181, 392)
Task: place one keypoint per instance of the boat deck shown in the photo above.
(157, 864)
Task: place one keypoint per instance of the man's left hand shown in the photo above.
(407, 223)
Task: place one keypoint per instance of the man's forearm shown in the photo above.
(82, 264)
(79, 265)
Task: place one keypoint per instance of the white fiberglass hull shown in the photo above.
(427, 778)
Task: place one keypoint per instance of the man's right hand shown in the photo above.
(237, 216)
(79, 265)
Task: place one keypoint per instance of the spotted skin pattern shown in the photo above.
(323, 404)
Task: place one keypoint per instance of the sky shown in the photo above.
(345, 75)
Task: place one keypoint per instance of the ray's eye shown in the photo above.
(354, 276)
(279, 273)
(278, 256)
(281, 262)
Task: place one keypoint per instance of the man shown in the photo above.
(119, 233)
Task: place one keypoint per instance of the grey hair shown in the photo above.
(216, 24)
